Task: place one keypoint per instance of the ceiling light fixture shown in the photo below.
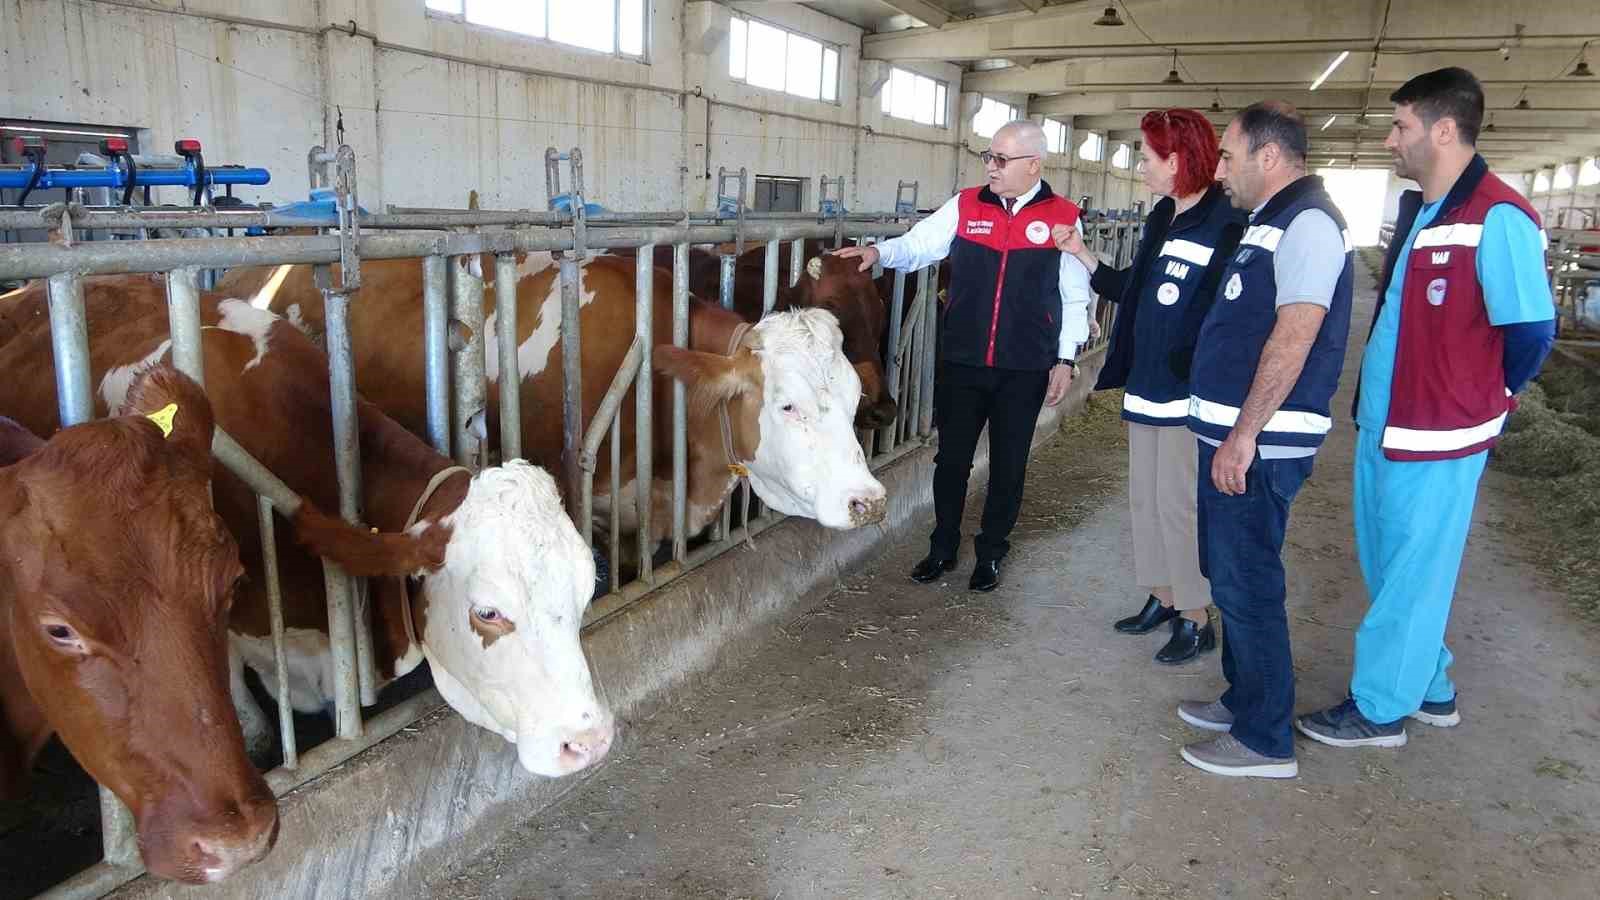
(1110, 18)
(1329, 122)
(1582, 70)
(1172, 73)
(1329, 70)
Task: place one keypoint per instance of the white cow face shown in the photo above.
(502, 619)
(794, 404)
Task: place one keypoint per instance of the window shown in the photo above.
(609, 26)
(1564, 178)
(1541, 182)
(1590, 173)
(1123, 157)
(1092, 148)
(908, 95)
(1055, 136)
(779, 193)
(991, 115)
(769, 57)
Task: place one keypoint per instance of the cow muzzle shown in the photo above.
(210, 850)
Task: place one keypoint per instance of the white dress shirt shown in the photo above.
(929, 241)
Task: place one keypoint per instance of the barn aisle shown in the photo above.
(902, 741)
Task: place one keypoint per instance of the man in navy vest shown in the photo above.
(1464, 319)
(1266, 364)
(1017, 313)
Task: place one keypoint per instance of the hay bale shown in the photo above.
(1548, 448)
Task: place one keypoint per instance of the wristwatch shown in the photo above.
(1071, 364)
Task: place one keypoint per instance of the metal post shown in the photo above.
(348, 633)
(886, 437)
(466, 360)
(510, 375)
(769, 277)
(117, 835)
(644, 416)
(797, 259)
(183, 322)
(680, 421)
(269, 562)
(436, 350)
(69, 343)
(571, 386)
(725, 265)
(927, 280)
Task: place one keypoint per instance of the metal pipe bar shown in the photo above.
(510, 375)
(611, 404)
(927, 281)
(436, 350)
(571, 381)
(725, 264)
(644, 412)
(183, 322)
(616, 500)
(69, 346)
(280, 662)
(896, 312)
(248, 469)
(769, 278)
(467, 361)
(680, 411)
(42, 260)
(118, 836)
(345, 622)
(797, 258)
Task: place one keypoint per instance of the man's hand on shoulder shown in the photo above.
(868, 255)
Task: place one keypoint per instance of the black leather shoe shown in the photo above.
(931, 568)
(1188, 641)
(1148, 618)
(985, 576)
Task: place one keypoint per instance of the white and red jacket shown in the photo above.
(1016, 302)
(1449, 396)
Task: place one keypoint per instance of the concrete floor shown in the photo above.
(905, 741)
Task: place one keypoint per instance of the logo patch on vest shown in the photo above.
(1177, 270)
(980, 226)
(1244, 256)
(1037, 231)
(1235, 287)
(1440, 257)
(1436, 289)
(1167, 294)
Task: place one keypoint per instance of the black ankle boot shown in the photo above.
(1189, 640)
(1148, 618)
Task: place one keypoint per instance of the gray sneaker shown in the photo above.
(1211, 716)
(1224, 755)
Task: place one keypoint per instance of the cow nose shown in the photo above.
(868, 509)
(587, 747)
(236, 839)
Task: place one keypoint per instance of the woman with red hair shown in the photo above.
(1161, 300)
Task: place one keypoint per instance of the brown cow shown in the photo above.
(507, 577)
(788, 392)
(116, 579)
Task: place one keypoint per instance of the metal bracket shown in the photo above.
(347, 209)
(832, 208)
(576, 205)
(734, 203)
(902, 206)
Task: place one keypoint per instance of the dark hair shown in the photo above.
(1191, 136)
(1274, 122)
(1445, 93)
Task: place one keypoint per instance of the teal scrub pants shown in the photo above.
(1412, 520)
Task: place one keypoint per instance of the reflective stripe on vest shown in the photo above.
(1188, 251)
(1284, 421)
(1139, 406)
(1441, 441)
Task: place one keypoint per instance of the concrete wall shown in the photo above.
(436, 108)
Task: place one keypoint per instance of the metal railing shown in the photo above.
(1572, 261)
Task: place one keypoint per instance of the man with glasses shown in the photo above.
(1017, 313)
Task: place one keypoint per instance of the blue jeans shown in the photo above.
(1241, 552)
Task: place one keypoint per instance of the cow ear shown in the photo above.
(814, 267)
(367, 552)
(174, 403)
(709, 377)
(16, 443)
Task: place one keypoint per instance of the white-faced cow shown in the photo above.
(781, 390)
(116, 579)
(505, 576)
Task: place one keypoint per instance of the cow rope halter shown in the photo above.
(439, 478)
(738, 467)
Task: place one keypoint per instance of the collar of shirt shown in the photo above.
(1023, 198)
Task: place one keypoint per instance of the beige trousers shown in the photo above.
(1161, 495)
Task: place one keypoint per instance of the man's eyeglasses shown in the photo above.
(998, 160)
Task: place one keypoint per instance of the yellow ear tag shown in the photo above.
(739, 469)
(163, 418)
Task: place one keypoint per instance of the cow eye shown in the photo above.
(64, 636)
(487, 614)
(788, 408)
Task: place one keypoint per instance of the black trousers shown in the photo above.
(968, 398)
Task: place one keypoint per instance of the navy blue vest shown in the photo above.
(1240, 321)
(1164, 296)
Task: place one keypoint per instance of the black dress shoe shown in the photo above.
(985, 576)
(1148, 618)
(931, 568)
(1188, 641)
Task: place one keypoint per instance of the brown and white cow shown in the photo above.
(783, 385)
(507, 577)
(825, 283)
(116, 579)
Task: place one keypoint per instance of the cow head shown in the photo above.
(790, 397)
(839, 286)
(507, 580)
(116, 580)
